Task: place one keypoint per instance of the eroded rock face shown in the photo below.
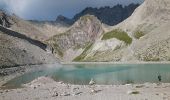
(15, 50)
(153, 19)
(4, 19)
(83, 32)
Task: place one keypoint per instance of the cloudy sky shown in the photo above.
(49, 9)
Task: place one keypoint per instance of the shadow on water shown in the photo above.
(102, 74)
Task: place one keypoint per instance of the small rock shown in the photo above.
(35, 87)
(157, 94)
(6, 90)
(55, 94)
(92, 82)
(76, 88)
(140, 86)
(61, 82)
(68, 86)
(65, 94)
(93, 91)
(128, 84)
(79, 93)
(23, 71)
(133, 92)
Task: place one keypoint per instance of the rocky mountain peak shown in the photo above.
(81, 34)
(88, 24)
(87, 21)
(64, 20)
(109, 15)
(61, 18)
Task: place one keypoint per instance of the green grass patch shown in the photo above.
(86, 17)
(118, 34)
(83, 54)
(57, 50)
(138, 34)
(151, 59)
(135, 92)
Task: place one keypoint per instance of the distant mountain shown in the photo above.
(109, 15)
(64, 20)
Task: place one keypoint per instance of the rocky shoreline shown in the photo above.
(129, 62)
(7, 74)
(44, 88)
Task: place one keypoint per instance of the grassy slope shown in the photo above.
(118, 34)
(83, 55)
(138, 34)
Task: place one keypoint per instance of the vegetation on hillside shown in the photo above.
(83, 54)
(57, 50)
(118, 34)
(138, 34)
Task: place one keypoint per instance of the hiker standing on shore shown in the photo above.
(159, 78)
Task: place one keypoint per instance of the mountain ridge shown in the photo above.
(144, 36)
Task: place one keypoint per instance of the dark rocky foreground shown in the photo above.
(9, 71)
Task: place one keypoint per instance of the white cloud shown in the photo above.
(16, 6)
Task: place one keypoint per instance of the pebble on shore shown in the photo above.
(92, 82)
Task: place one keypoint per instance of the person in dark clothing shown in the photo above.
(159, 78)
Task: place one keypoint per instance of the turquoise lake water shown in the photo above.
(106, 74)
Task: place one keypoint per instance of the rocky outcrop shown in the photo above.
(149, 16)
(26, 27)
(19, 25)
(85, 31)
(50, 28)
(4, 21)
(149, 23)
